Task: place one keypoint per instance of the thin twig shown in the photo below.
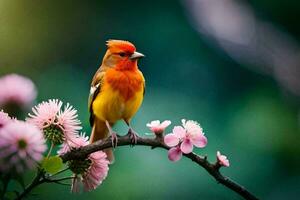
(66, 184)
(6, 179)
(57, 173)
(59, 179)
(36, 181)
(50, 150)
(83, 152)
(39, 179)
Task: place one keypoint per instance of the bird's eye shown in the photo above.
(122, 54)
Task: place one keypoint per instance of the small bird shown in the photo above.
(116, 93)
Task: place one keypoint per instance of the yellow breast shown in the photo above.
(111, 104)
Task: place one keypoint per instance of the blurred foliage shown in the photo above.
(60, 44)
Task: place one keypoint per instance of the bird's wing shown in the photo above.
(94, 91)
(144, 83)
(144, 88)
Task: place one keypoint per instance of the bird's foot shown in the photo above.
(114, 135)
(133, 137)
(114, 139)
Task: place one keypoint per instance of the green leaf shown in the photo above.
(52, 164)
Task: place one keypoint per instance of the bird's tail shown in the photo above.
(100, 132)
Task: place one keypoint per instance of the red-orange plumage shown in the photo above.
(117, 45)
(127, 82)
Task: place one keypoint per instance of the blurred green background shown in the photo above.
(246, 114)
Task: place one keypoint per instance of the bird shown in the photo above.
(116, 93)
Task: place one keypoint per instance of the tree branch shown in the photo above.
(36, 181)
(212, 169)
(40, 179)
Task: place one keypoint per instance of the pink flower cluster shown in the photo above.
(48, 116)
(54, 121)
(183, 138)
(22, 145)
(16, 89)
(97, 170)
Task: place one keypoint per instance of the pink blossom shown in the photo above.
(185, 137)
(97, 170)
(4, 119)
(67, 120)
(175, 154)
(50, 117)
(157, 127)
(45, 113)
(22, 146)
(16, 89)
(77, 142)
(222, 159)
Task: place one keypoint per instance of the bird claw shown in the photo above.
(114, 135)
(133, 137)
(114, 139)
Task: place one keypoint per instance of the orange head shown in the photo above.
(121, 55)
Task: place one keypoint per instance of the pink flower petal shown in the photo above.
(174, 154)
(4, 119)
(153, 123)
(222, 159)
(186, 146)
(157, 130)
(157, 127)
(191, 127)
(199, 140)
(179, 132)
(165, 123)
(171, 140)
